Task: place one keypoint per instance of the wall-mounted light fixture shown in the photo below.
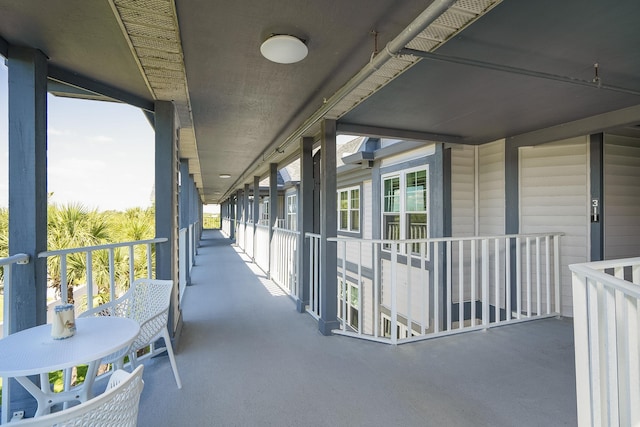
(284, 49)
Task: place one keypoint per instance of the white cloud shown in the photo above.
(101, 138)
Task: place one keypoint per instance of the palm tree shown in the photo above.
(4, 238)
(133, 225)
(73, 226)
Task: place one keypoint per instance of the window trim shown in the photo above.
(401, 174)
(349, 210)
(289, 223)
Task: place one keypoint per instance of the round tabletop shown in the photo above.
(33, 351)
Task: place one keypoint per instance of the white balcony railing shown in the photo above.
(284, 260)
(225, 225)
(115, 286)
(314, 274)
(606, 309)
(262, 247)
(249, 240)
(240, 235)
(445, 285)
(7, 265)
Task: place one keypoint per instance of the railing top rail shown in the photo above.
(262, 226)
(99, 247)
(614, 263)
(437, 239)
(586, 270)
(314, 235)
(15, 259)
(285, 231)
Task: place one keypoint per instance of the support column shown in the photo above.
(239, 212)
(185, 211)
(596, 158)
(256, 211)
(305, 221)
(512, 206)
(27, 185)
(273, 205)
(232, 218)
(439, 220)
(245, 215)
(328, 228)
(166, 185)
(27, 296)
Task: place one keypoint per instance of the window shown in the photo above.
(349, 209)
(405, 206)
(352, 303)
(292, 212)
(264, 217)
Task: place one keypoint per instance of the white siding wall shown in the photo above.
(554, 196)
(463, 190)
(621, 197)
(491, 189)
(366, 208)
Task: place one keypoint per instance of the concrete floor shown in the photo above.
(247, 358)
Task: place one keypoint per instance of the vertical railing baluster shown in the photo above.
(360, 326)
(376, 290)
(474, 282)
(556, 272)
(547, 263)
(496, 278)
(89, 273)
(424, 286)
(518, 278)
(507, 278)
(436, 287)
(149, 262)
(112, 276)
(528, 273)
(449, 307)
(633, 351)
(64, 291)
(132, 272)
(394, 300)
(345, 295)
(408, 268)
(461, 284)
(538, 278)
(485, 282)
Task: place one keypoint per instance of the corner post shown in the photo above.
(273, 206)
(305, 221)
(166, 185)
(328, 228)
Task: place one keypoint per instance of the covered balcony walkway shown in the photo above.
(247, 358)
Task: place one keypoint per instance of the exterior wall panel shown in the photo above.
(554, 196)
(621, 197)
(463, 190)
(491, 189)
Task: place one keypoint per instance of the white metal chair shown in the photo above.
(147, 302)
(116, 407)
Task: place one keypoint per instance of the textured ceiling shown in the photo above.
(240, 112)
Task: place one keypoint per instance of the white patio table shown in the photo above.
(33, 352)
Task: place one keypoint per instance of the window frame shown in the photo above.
(291, 217)
(403, 213)
(350, 210)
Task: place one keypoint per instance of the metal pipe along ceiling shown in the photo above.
(426, 18)
(596, 83)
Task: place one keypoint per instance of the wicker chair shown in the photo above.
(147, 302)
(116, 407)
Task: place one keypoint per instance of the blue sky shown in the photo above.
(100, 154)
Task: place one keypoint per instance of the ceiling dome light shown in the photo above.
(225, 175)
(284, 49)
